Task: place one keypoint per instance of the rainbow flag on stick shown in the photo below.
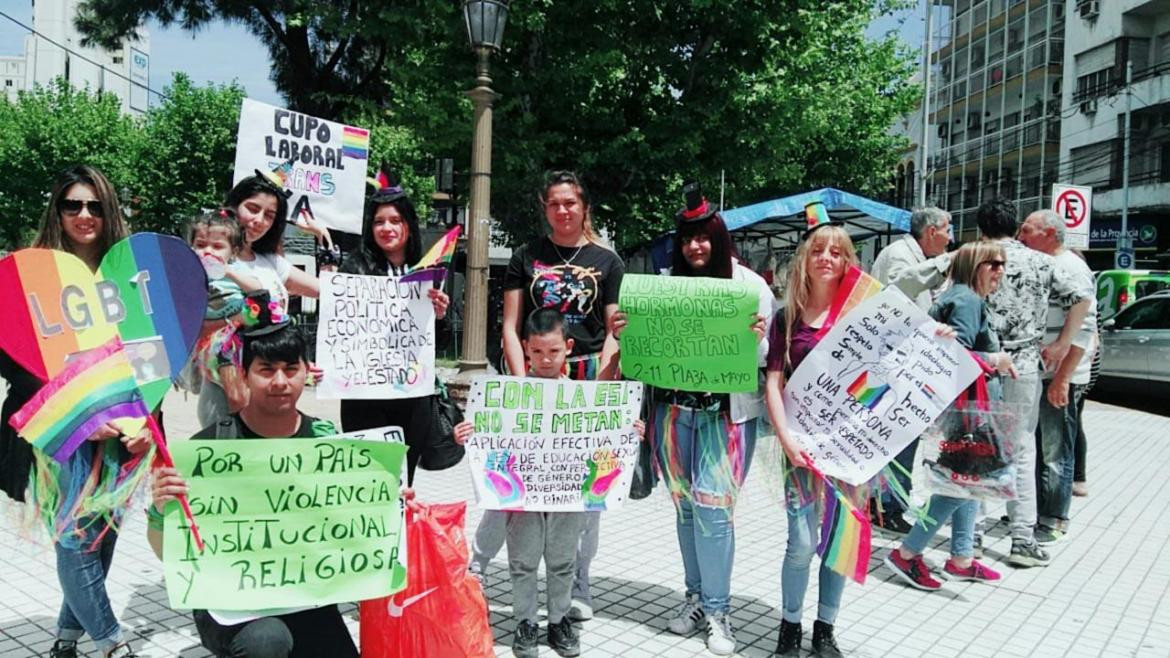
(846, 533)
(856, 287)
(95, 388)
(433, 265)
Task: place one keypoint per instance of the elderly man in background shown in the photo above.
(1018, 313)
(917, 265)
(1043, 231)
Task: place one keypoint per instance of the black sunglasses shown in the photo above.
(74, 206)
(994, 263)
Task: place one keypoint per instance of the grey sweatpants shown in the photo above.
(553, 536)
(490, 535)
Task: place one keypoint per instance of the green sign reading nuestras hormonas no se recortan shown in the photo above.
(689, 333)
(286, 522)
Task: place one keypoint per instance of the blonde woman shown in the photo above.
(814, 275)
(975, 273)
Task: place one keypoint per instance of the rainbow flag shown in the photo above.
(433, 265)
(856, 287)
(96, 387)
(866, 395)
(355, 143)
(846, 537)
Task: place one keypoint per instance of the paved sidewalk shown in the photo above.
(1103, 595)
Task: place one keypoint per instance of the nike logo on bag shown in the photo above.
(396, 610)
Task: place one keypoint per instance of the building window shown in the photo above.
(7, 83)
(1094, 84)
(117, 59)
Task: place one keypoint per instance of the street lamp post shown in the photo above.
(485, 21)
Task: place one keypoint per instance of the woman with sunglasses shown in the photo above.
(576, 273)
(261, 207)
(83, 219)
(975, 273)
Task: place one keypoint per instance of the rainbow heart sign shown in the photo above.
(150, 290)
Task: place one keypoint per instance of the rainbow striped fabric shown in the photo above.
(96, 387)
(856, 287)
(433, 265)
(355, 143)
(846, 537)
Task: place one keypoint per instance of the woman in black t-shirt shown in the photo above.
(572, 271)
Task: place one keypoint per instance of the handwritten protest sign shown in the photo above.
(552, 445)
(873, 384)
(375, 338)
(689, 333)
(328, 173)
(286, 522)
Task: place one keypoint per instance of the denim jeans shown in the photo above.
(704, 461)
(1057, 436)
(86, 608)
(803, 521)
(1025, 392)
(960, 511)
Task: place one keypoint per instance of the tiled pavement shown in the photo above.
(1103, 595)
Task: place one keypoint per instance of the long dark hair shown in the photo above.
(52, 236)
(270, 242)
(722, 250)
(373, 258)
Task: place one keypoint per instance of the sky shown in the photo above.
(222, 52)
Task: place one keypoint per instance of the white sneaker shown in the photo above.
(580, 611)
(720, 636)
(690, 614)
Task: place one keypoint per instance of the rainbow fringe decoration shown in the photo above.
(95, 388)
(856, 287)
(433, 265)
(82, 499)
(355, 143)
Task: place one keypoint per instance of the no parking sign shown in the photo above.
(1075, 205)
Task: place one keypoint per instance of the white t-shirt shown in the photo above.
(272, 271)
(1086, 337)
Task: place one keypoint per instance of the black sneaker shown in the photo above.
(789, 642)
(892, 523)
(1046, 535)
(63, 649)
(823, 643)
(1027, 554)
(122, 651)
(562, 637)
(977, 546)
(526, 642)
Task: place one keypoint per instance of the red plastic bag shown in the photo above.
(442, 611)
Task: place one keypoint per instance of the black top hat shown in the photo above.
(387, 186)
(698, 208)
(261, 315)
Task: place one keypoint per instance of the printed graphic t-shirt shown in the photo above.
(580, 288)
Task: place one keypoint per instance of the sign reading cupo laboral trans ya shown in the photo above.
(327, 172)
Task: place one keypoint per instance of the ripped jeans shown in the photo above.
(704, 459)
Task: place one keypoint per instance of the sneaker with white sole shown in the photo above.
(580, 611)
(689, 618)
(1027, 554)
(720, 635)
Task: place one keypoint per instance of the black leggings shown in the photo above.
(411, 414)
(1081, 445)
(304, 634)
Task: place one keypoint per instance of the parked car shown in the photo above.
(1135, 346)
(1117, 289)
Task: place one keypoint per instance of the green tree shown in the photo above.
(188, 148)
(49, 129)
(636, 95)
